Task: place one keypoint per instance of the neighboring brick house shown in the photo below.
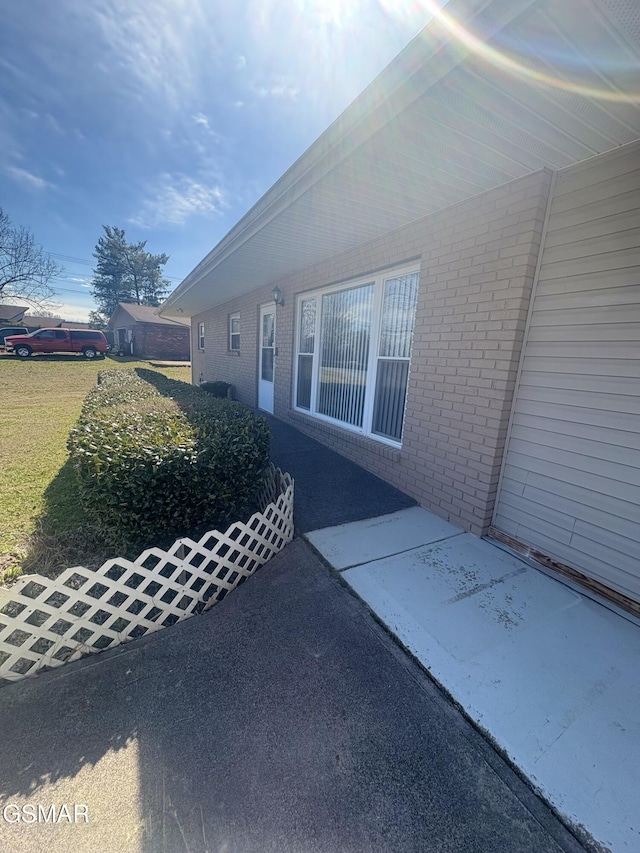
(139, 330)
(445, 288)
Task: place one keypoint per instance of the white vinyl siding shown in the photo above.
(571, 480)
(353, 352)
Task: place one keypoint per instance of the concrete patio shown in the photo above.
(549, 674)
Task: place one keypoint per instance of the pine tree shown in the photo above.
(125, 272)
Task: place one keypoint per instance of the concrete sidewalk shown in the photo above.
(285, 719)
(551, 675)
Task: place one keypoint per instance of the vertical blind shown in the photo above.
(344, 353)
(394, 351)
(358, 372)
(306, 346)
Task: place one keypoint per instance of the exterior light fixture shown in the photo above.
(278, 298)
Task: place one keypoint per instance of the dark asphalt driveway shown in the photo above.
(330, 489)
(283, 720)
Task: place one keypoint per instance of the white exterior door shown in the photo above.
(266, 356)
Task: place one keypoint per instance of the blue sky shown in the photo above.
(170, 118)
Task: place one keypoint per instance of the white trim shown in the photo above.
(201, 335)
(266, 387)
(377, 280)
(231, 334)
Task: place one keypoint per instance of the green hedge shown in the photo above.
(217, 388)
(157, 457)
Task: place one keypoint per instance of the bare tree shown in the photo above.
(25, 269)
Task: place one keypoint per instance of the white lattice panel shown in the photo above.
(45, 623)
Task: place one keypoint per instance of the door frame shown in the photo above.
(266, 393)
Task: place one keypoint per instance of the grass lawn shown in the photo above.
(41, 401)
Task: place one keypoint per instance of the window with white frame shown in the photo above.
(200, 335)
(234, 332)
(353, 347)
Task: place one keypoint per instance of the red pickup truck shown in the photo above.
(89, 342)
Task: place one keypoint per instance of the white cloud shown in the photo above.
(157, 43)
(241, 62)
(66, 310)
(177, 199)
(54, 124)
(26, 178)
(69, 311)
(83, 281)
(203, 122)
(200, 118)
(277, 88)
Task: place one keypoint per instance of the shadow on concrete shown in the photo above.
(282, 720)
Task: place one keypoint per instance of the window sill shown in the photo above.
(365, 442)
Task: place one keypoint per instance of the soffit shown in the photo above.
(434, 142)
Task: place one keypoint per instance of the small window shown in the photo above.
(234, 332)
(200, 335)
(61, 335)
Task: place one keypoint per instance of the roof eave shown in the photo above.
(325, 188)
(406, 77)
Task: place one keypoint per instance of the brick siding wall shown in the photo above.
(477, 261)
(217, 361)
(160, 341)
